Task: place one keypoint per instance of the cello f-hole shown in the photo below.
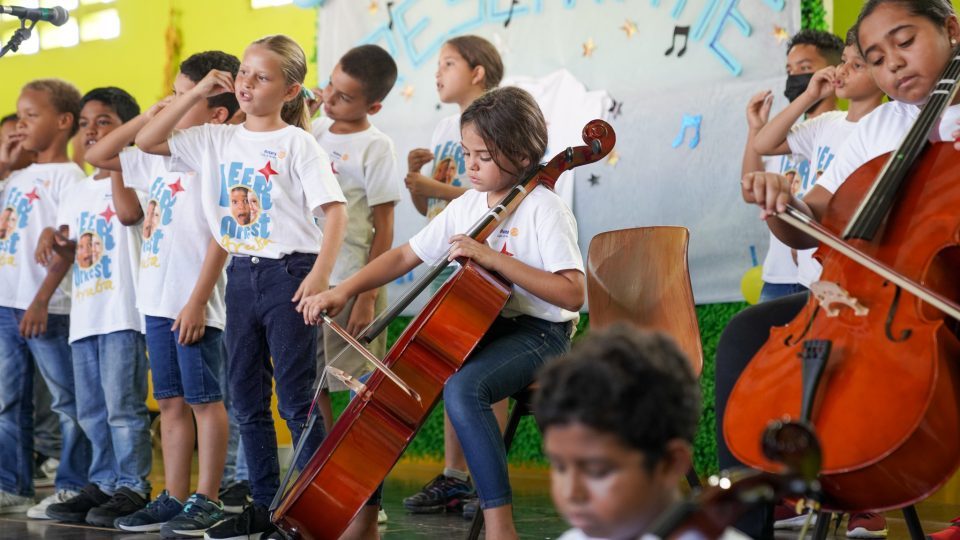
(888, 325)
(790, 341)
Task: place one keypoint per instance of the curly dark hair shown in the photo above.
(631, 383)
(64, 97)
(198, 65)
(828, 45)
(373, 68)
(117, 99)
(936, 11)
(511, 125)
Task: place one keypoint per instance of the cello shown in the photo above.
(871, 360)
(378, 424)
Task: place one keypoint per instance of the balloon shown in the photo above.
(751, 283)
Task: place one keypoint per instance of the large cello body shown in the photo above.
(886, 405)
(372, 433)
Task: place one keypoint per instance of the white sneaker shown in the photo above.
(39, 511)
(46, 473)
(14, 504)
(381, 517)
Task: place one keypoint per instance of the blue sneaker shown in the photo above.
(151, 518)
(442, 494)
(198, 515)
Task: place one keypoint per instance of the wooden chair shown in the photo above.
(638, 276)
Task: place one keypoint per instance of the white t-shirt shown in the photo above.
(728, 534)
(365, 164)
(541, 233)
(778, 265)
(818, 139)
(448, 163)
(31, 197)
(263, 188)
(174, 237)
(108, 256)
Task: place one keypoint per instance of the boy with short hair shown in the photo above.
(34, 305)
(109, 360)
(364, 161)
(184, 323)
(618, 415)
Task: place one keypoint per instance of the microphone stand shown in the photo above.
(18, 37)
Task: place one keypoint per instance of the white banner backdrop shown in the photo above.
(672, 76)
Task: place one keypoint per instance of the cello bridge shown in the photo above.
(829, 294)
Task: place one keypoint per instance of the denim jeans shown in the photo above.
(52, 355)
(263, 325)
(235, 467)
(111, 377)
(46, 423)
(504, 363)
(189, 371)
(772, 291)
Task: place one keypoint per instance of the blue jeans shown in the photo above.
(263, 324)
(52, 355)
(772, 291)
(188, 371)
(235, 468)
(504, 363)
(111, 377)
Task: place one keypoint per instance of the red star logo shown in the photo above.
(108, 214)
(175, 188)
(504, 250)
(267, 171)
(32, 196)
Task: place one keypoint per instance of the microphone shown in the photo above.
(56, 16)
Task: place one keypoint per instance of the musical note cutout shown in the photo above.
(510, 13)
(683, 31)
(689, 121)
(615, 109)
(390, 13)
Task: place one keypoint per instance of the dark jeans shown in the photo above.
(263, 325)
(741, 340)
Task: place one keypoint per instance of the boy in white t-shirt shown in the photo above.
(34, 303)
(818, 139)
(365, 163)
(808, 51)
(180, 293)
(618, 415)
(106, 332)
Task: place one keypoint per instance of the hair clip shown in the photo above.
(307, 93)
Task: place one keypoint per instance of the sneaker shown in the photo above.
(198, 515)
(867, 525)
(151, 517)
(75, 509)
(442, 494)
(470, 507)
(252, 523)
(45, 471)
(235, 496)
(785, 517)
(14, 504)
(123, 503)
(39, 511)
(381, 516)
(950, 533)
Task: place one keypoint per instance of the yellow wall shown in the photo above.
(136, 60)
(845, 14)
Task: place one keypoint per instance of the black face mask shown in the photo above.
(796, 85)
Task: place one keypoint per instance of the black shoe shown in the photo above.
(75, 509)
(123, 503)
(442, 494)
(253, 522)
(235, 496)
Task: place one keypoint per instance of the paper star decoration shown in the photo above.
(613, 158)
(175, 188)
(630, 28)
(374, 7)
(32, 196)
(588, 48)
(267, 171)
(781, 34)
(594, 179)
(407, 92)
(108, 214)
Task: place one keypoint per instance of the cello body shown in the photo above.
(377, 425)
(887, 408)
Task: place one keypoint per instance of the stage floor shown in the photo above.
(535, 515)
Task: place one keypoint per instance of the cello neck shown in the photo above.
(876, 205)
